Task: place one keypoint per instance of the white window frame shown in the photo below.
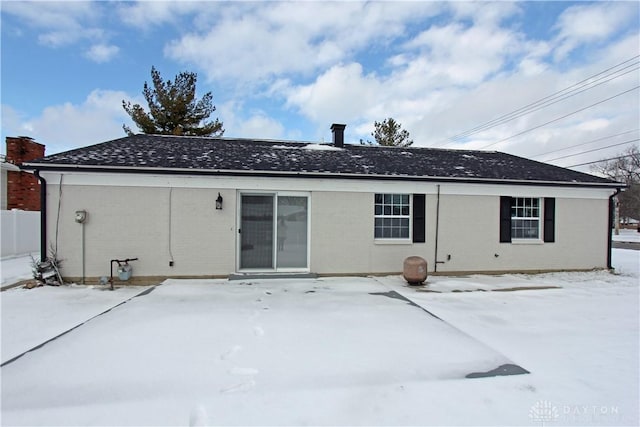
(524, 204)
(408, 217)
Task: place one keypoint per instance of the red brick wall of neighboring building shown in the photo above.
(23, 189)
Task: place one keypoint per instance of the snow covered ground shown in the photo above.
(626, 235)
(330, 351)
(50, 311)
(15, 269)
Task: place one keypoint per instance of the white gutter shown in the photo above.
(9, 167)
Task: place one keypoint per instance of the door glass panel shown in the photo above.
(291, 232)
(256, 228)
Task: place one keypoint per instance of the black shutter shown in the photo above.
(505, 219)
(419, 233)
(549, 219)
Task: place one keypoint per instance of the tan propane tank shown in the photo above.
(415, 270)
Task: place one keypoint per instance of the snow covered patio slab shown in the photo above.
(327, 352)
(32, 316)
(229, 349)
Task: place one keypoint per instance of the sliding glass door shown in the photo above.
(274, 230)
(291, 232)
(256, 232)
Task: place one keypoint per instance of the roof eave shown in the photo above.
(305, 174)
(9, 167)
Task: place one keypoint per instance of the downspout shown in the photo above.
(435, 257)
(43, 215)
(609, 225)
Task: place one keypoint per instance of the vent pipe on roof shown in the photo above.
(338, 135)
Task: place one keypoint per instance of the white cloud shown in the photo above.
(237, 50)
(433, 109)
(60, 23)
(63, 37)
(100, 118)
(505, 95)
(590, 23)
(457, 54)
(272, 39)
(66, 126)
(147, 14)
(439, 66)
(530, 67)
(261, 126)
(102, 52)
(594, 125)
(257, 125)
(534, 60)
(50, 14)
(484, 12)
(13, 123)
(342, 94)
(453, 76)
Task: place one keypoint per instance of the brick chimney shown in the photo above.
(338, 135)
(23, 189)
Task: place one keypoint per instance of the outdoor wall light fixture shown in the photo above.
(219, 202)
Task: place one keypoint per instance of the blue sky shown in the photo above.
(289, 70)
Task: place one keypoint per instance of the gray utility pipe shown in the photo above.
(83, 275)
(435, 257)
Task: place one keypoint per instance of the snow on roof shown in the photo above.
(321, 147)
(211, 155)
(312, 146)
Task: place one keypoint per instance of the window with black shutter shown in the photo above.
(505, 219)
(549, 219)
(527, 218)
(419, 215)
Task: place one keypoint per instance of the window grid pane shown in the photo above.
(525, 218)
(392, 215)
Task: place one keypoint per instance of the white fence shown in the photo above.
(20, 233)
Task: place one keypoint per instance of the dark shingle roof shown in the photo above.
(247, 156)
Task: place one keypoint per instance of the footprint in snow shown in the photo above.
(258, 331)
(229, 353)
(198, 417)
(242, 387)
(243, 371)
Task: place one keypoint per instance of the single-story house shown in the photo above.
(212, 207)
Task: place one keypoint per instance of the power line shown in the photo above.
(561, 117)
(569, 88)
(552, 99)
(598, 161)
(593, 150)
(523, 112)
(584, 143)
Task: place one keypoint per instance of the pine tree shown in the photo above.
(389, 133)
(173, 108)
